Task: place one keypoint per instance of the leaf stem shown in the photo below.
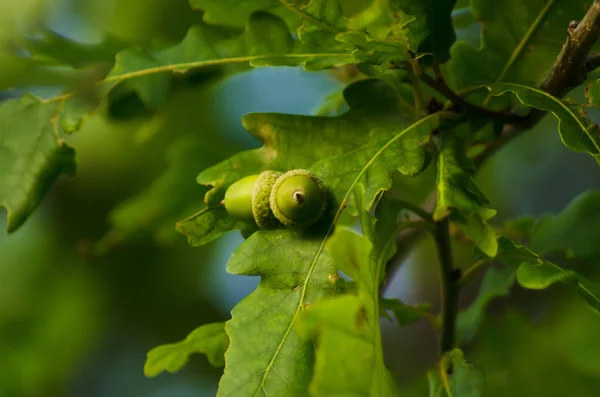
(469, 274)
(417, 210)
(449, 277)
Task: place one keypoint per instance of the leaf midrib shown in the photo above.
(194, 65)
(338, 213)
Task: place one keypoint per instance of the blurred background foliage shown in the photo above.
(98, 275)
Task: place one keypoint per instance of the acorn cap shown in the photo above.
(298, 199)
(261, 209)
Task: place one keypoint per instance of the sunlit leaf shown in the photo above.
(277, 361)
(295, 272)
(349, 324)
(294, 141)
(209, 339)
(32, 156)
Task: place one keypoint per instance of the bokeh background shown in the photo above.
(98, 275)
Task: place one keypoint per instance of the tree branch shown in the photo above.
(571, 66)
(449, 277)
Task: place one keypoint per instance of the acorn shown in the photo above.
(248, 199)
(298, 199)
(295, 199)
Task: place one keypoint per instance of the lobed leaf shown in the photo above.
(534, 272)
(274, 360)
(348, 325)
(32, 156)
(576, 131)
(294, 141)
(459, 198)
(209, 339)
(265, 355)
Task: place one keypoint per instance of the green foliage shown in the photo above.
(415, 101)
(533, 272)
(32, 155)
(275, 359)
(349, 324)
(465, 379)
(577, 132)
(209, 339)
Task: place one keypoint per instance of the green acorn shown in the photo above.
(295, 199)
(248, 199)
(298, 199)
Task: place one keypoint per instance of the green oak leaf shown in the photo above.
(575, 230)
(273, 360)
(209, 339)
(460, 199)
(428, 26)
(266, 356)
(148, 73)
(32, 156)
(534, 272)
(349, 324)
(265, 41)
(399, 149)
(576, 131)
(519, 41)
(295, 141)
(496, 283)
(465, 380)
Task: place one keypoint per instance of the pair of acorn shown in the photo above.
(296, 199)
